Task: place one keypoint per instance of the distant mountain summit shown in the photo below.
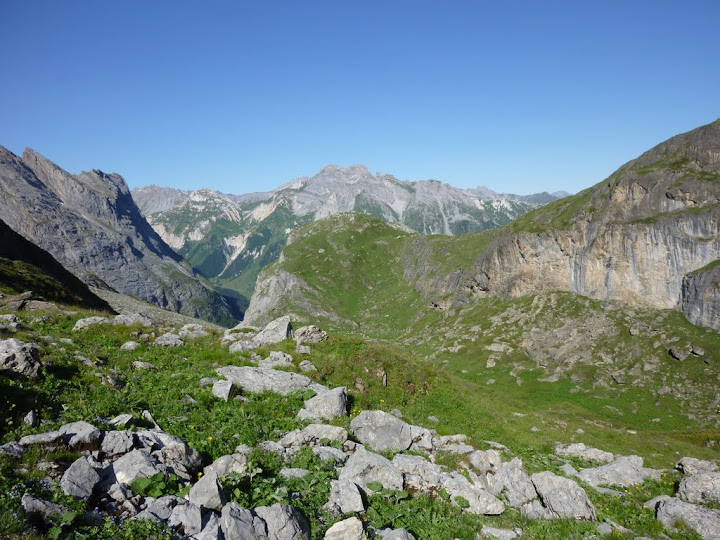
(91, 225)
(230, 238)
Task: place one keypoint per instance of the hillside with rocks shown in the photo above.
(90, 224)
(647, 236)
(231, 238)
(289, 432)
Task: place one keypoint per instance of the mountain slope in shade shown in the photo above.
(231, 238)
(91, 225)
(26, 267)
(649, 236)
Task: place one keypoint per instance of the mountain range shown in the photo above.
(230, 238)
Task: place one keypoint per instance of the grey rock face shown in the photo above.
(347, 529)
(701, 297)
(105, 239)
(344, 498)
(208, 493)
(79, 479)
(700, 488)
(257, 380)
(364, 467)
(169, 340)
(623, 471)
(327, 405)
(19, 357)
(283, 522)
(310, 334)
(563, 498)
(703, 521)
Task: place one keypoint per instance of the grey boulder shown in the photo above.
(364, 467)
(274, 332)
(689, 466)
(80, 435)
(168, 340)
(241, 523)
(347, 529)
(131, 319)
(700, 488)
(283, 522)
(82, 324)
(130, 346)
(382, 431)
(79, 479)
(394, 534)
(513, 482)
(258, 380)
(136, 464)
(622, 471)
(223, 390)
(327, 405)
(703, 521)
(193, 331)
(310, 334)
(579, 450)
(344, 498)
(208, 493)
(480, 501)
(563, 498)
(276, 359)
(19, 357)
(34, 506)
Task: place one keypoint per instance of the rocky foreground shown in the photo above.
(122, 458)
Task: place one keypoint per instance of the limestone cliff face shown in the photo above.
(631, 238)
(90, 223)
(701, 297)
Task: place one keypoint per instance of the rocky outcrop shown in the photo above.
(701, 296)
(91, 225)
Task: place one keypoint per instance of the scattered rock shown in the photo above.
(130, 346)
(80, 435)
(243, 345)
(79, 479)
(579, 450)
(563, 498)
(34, 506)
(193, 331)
(310, 334)
(168, 340)
(257, 380)
(703, 521)
(381, 431)
(480, 501)
(500, 534)
(238, 522)
(275, 332)
(364, 467)
(276, 359)
(303, 349)
(224, 390)
(208, 493)
(394, 534)
(224, 465)
(348, 529)
(283, 522)
(30, 419)
(136, 464)
(82, 324)
(433, 419)
(19, 357)
(700, 488)
(623, 471)
(187, 519)
(306, 366)
(12, 449)
(116, 443)
(344, 498)
(485, 461)
(327, 405)
(293, 472)
(131, 319)
(137, 364)
(689, 466)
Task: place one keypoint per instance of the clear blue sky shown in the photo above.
(244, 96)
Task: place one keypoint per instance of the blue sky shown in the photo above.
(244, 96)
